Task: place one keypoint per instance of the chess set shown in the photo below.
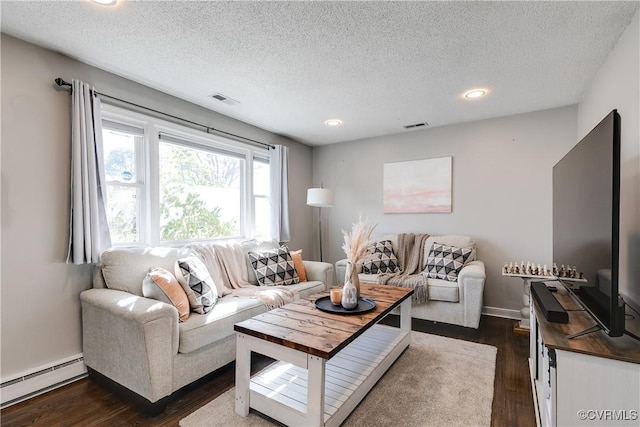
(531, 269)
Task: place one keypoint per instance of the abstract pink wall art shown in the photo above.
(418, 186)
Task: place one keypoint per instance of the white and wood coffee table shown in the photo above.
(328, 362)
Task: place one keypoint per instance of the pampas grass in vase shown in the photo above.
(355, 248)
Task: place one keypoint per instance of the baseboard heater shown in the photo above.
(41, 380)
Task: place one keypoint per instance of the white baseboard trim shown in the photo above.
(501, 312)
(40, 380)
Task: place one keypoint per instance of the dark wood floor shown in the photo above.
(95, 401)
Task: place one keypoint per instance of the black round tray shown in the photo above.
(364, 305)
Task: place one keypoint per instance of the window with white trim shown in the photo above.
(124, 166)
(167, 183)
(261, 201)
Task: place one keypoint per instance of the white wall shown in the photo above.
(617, 85)
(40, 305)
(501, 188)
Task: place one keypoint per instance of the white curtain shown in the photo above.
(88, 228)
(278, 166)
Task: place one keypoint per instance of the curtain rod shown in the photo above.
(61, 82)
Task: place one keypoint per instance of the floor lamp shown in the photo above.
(320, 198)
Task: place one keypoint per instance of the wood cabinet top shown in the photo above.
(302, 326)
(599, 344)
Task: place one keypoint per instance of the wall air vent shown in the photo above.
(417, 125)
(224, 99)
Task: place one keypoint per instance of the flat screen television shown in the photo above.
(586, 222)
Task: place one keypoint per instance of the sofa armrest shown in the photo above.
(320, 271)
(130, 339)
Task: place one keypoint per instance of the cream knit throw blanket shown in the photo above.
(227, 265)
(410, 253)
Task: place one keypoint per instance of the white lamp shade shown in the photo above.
(320, 197)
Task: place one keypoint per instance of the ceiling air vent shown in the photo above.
(224, 99)
(417, 125)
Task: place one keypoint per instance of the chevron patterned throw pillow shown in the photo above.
(445, 262)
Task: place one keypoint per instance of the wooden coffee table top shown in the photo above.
(300, 325)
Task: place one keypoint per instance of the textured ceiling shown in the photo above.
(376, 65)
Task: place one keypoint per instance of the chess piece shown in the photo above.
(555, 269)
(505, 269)
(562, 272)
(545, 270)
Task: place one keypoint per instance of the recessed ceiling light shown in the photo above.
(333, 122)
(475, 93)
(105, 2)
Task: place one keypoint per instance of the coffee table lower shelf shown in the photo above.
(280, 390)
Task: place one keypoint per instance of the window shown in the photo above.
(262, 211)
(124, 174)
(167, 183)
(200, 191)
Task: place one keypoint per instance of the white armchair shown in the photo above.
(458, 303)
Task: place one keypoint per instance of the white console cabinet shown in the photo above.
(591, 380)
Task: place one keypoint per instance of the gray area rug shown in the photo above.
(437, 381)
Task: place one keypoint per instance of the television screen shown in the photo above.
(586, 211)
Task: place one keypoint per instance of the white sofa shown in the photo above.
(458, 303)
(139, 343)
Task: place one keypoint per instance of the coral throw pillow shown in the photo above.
(161, 285)
(297, 263)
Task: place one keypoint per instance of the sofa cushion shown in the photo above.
(124, 269)
(381, 258)
(274, 267)
(445, 262)
(160, 284)
(439, 290)
(200, 330)
(194, 277)
(306, 289)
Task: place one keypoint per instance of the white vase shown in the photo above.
(351, 275)
(349, 296)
